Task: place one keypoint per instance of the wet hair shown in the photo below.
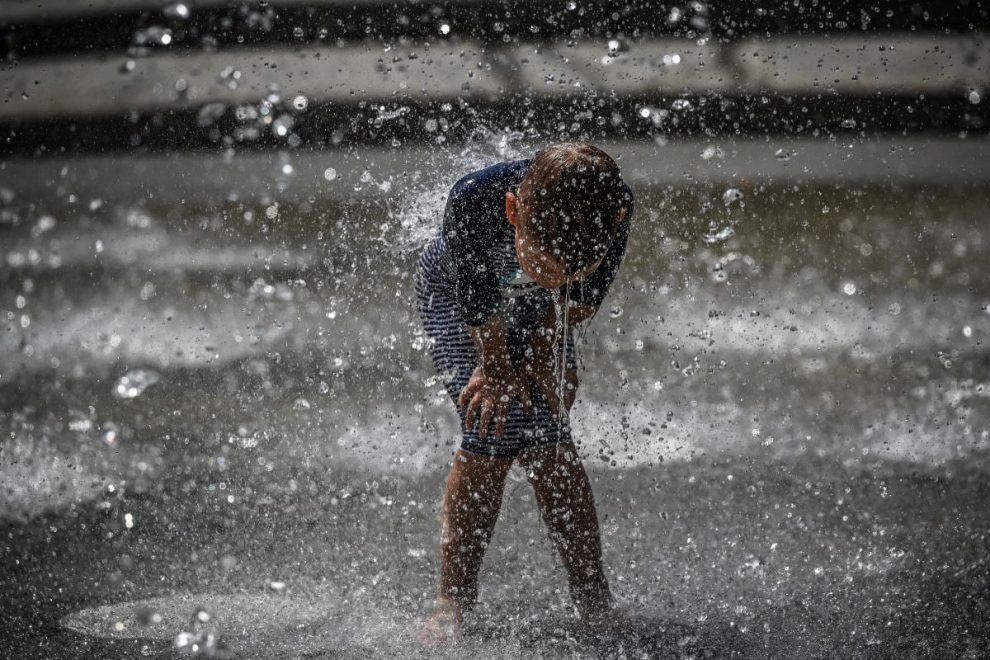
(571, 196)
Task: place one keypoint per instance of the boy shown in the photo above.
(527, 250)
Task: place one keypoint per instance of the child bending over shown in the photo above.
(527, 251)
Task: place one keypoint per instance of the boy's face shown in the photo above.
(540, 265)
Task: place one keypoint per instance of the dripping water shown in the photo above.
(560, 353)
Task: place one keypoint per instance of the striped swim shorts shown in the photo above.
(455, 358)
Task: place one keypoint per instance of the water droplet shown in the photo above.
(718, 237)
(974, 96)
(262, 290)
(300, 102)
(444, 28)
(967, 331)
(615, 312)
(146, 616)
(177, 10)
(682, 105)
(230, 77)
(849, 288)
(81, 425)
(138, 219)
(111, 436)
(711, 151)
(731, 196)
(301, 405)
(782, 155)
(147, 291)
(209, 114)
(45, 223)
(153, 35)
(282, 125)
(330, 174)
(848, 123)
(133, 383)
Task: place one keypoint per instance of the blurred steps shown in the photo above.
(370, 173)
(451, 70)
(415, 92)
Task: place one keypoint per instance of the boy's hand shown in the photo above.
(492, 393)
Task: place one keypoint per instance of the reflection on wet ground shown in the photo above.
(784, 405)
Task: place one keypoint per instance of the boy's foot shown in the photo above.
(442, 625)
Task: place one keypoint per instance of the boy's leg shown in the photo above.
(471, 504)
(568, 509)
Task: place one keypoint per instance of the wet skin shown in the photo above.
(471, 507)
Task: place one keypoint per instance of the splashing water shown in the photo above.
(731, 196)
(133, 384)
(420, 205)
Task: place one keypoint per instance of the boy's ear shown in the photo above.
(512, 208)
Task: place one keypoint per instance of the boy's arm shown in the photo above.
(489, 339)
(495, 384)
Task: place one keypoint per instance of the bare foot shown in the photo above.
(442, 625)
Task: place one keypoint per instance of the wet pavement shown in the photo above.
(785, 410)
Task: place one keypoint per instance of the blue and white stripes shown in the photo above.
(455, 358)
